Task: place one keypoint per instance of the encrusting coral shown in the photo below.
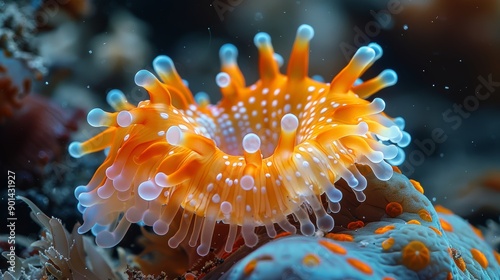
(398, 235)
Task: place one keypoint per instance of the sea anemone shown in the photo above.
(262, 154)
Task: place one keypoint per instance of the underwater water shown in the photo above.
(173, 187)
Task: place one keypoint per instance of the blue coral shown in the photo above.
(419, 243)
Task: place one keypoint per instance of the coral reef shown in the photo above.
(402, 237)
(60, 254)
(17, 30)
(11, 92)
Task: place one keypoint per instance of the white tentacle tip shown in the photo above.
(251, 143)
(377, 48)
(163, 64)
(247, 182)
(174, 135)
(97, 117)
(364, 55)
(305, 32)
(228, 54)
(75, 149)
(149, 191)
(262, 39)
(389, 77)
(161, 179)
(160, 227)
(106, 239)
(289, 122)
(144, 78)
(124, 118)
(116, 98)
(223, 80)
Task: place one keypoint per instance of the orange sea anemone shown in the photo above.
(263, 153)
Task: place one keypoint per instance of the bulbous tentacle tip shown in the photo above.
(79, 190)
(80, 207)
(203, 250)
(400, 122)
(163, 64)
(75, 149)
(333, 194)
(162, 180)
(228, 54)
(116, 99)
(262, 39)
(202, 98)
(251, 143)
(378, 105)
(325, 223)
(378, 50)
(109, 239)
(223, 80)
(160, 227)
(399, 158)
(375, 156)
(405, 139)
(307, 229)
(360, 196)
(149, 191)
(124, 118)
(106, 239)
(390, 152)
(247, 182)
(97, 117)
(289, 122)
(279, 59)
(362, 128)
(395, 134)
(364, 56)
(144, 78)
(318, 78)
(305, 32)
(82, 229)
(389, 77)
(174, 135)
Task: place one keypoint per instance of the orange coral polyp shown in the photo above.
(262, 153)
